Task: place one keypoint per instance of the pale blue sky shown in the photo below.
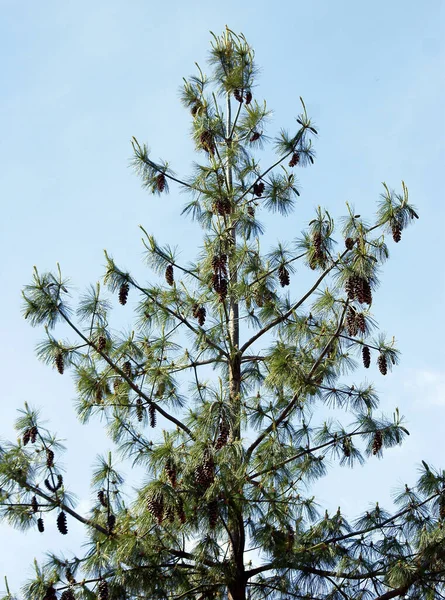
(80, 78)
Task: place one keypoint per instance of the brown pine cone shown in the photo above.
(102, 498)
(382, 364)
(160, 182)
(366, 355)
(155, 505)
(295, 159)
(377, 442)
(255, 136)
(169, 277)
(102, 590)
(212, 509)
(101, 343)
(49, 458)
(283, 276)
(40, 525)
(349, 243)
(152, 413)
(61, 523)
(34, 504)
(170, 470)
(59, 362)
(123, 293)
(258, 188)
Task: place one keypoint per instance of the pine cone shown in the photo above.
(152, 414)
(248, 97)
(126, 368)
(201, 315)
(102, 498)
(33, 434)
(283, 276)
(59, 362)
(139, 410)
(69, 576)
(396, 233)
(34, 504)
(362, 290)
(61, 523)
(205, 472)
(351, 323)
(360, 322)
(170, 470)
(222, 291)
(123, 293)
(377, 443)
(349, 243)
(169, 278)
(102, 590)
(255, 136)
(238, 96)
(295, 159)
(258, 188)
(26, 436)
(350, 288)
(160, 182)
(101, 343)
(382, 364)
(50, 594)
(111, 522)
(366, 356)
(290, 539)
(195, 310)
(212, 509)
(251, 211)
(346, 445)
(155, 505)
(68, 595)
(318, 244)
(224, 432)
(40, 525)
(207, 142)
(49, 458)
(222, 206)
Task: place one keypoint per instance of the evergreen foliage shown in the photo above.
(235, 367)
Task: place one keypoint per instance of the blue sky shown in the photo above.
(79, 79)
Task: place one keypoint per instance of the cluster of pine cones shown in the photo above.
(199, 312)
(358, 288)
(30, 435)
(355, 322)
(283, 276)
(205, 472)
(240, 95)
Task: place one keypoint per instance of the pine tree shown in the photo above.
(234, 450)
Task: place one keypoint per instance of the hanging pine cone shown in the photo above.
(295, 159)
(350, 287)
(61, 523)
(26, 436)
(205, 472)
(152, 414)
(169, 278)
(346, 446)
(126, 368)
(101, 343)
(68, 595)
(222, 206)
(255, 136)
(360, 322)
(139, 410)
(349, 243)
(212, 510)
(160, 182)
(170, 470)
(102, 498)
(366, 356)
(396, 233)
(49, 458)
(195, 309)
(317, 240)
(207, 142)
(34, 504)
(251, 211)
(377, 442)
(123, 293)
(238, 96)
(382, 364)
(40, 525)
(50, 594)
(201, 316)
(224, 432)
(111, 522)
(351, 323)
(362, 290)
(180, 511)
(69, 576)
(59, 362)
(102, 590)
(33, 434)
(258, 188)
(283, 276)
(222, 291)
(248, 97)
(155, 505)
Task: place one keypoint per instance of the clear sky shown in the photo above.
(80, 78)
